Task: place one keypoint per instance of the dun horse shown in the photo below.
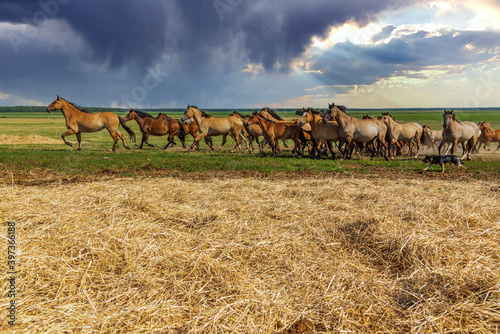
(211, 126)
(78, 121)
(322, 132)
(431, 138)
(157, 127)
(456, 132)
(409, 132)
(353, 129)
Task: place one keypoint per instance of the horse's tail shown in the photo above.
(126, 127)
(423, 138)
(182, 134)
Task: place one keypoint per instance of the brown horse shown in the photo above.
(151, 126)
(409, 132)
(79, 120)
(456, 132)
(488, 135)
(191, 129)
(273, 131)
(322, 132)
(355, 130)
(212, 126)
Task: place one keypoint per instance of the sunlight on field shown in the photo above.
(257, 255)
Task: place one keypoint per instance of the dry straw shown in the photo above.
(248, 255)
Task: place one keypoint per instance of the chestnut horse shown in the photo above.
(190, 128)
(273, 131)
(456, 132)
(212, 126)
(488, 135)
(322, 132)
(79, 120)
(355, 130)
(151, 126)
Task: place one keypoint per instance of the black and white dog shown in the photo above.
(441, 160)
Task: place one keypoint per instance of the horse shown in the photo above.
(455, 132)
(430, 137)
(211, 126)
(151, 126)
(273, 131)
(322, 132)
(190, 128)
(252, 132)
(79, 120)
(352, 129)
(488, 135)
(409, 132)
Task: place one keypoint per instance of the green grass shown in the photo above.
(95, 156)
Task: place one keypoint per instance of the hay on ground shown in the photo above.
(256, 256)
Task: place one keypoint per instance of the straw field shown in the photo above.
(317, 254)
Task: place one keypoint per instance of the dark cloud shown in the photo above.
(204, 45)
(347, 63)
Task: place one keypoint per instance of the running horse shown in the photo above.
(212, 126)
(488, 135)
(273, 131)
(191, 129)
(456, 132)
(151, 126)
(397, 132)
(79, 120)
(322, 132)
(355, 130)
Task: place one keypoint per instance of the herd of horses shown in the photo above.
(316, 130)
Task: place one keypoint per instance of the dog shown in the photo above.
(441, 160)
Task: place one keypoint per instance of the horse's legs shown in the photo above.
(440, 146)
(170, 140)
(197, 139)
(68, 133)
(115, 139)
(79, 138)
(223, 142)
(119, 134)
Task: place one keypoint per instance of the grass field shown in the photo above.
(153, 241)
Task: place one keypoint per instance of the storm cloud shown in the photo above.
(104, 52)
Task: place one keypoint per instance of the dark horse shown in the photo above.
(79, 120)
(151, 126)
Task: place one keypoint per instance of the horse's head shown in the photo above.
(306, 117)
(448, 118)
(331, 114)
(189, 113)
(254, 119)
(131, 115)
(56, 105)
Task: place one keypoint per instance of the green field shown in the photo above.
(95, 157)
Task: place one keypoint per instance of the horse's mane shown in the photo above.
(487, 127)
(168, 117)
(272, 113)
(316, 112)
(343, 108)
(267, 119)
(204, 114)
(239, 115)
(78, 107)
(142, 114)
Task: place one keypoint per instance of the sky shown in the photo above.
(251, 54)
